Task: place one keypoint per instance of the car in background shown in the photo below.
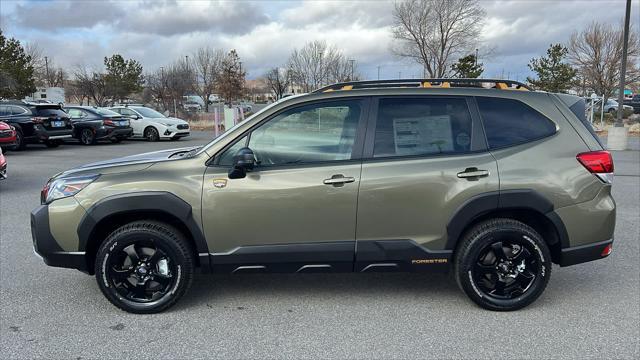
(192, 106)
(152, 125)
(611, 106)
(7, 135)
(3, 166)
(634, 102)
(36, 123)
(91, 124)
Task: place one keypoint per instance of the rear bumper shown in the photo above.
(46, 247)
(584, 253)
(44, 134)
(109, 133)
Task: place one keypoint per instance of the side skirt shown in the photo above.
(332, 257)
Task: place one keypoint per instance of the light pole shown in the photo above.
(378, 72)
(351, 61)
(46, 66)
(617, 135)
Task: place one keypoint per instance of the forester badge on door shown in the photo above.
(219, 183)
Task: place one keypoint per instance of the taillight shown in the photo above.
(599, 163)
(38, 119)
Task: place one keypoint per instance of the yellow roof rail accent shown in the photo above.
(501, 86)
(426, 84)
(328, 90)
(347, 87)
(445, 84)
(521, 88)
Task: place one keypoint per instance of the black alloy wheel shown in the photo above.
(144, 267)
(87, 137)
(502, 264)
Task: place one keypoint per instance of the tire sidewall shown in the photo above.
(152, 134)
(115, 244)
(90, 138)
(479, 243)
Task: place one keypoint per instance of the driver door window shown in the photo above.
(309, 134)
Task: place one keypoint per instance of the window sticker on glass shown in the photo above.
(426, 134)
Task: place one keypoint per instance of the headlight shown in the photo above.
(64, 187)
(166, 124)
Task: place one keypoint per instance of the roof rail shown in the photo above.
(425, 83)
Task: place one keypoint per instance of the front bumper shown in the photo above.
(580, 254)
(45, 246)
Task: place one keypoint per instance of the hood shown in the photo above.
(130, 163)
(168, 120)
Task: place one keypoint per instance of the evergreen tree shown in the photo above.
(16, 71)
(123, 77)
(467, 68)
(553, 74)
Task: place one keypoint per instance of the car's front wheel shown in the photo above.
(87, 137)
(151, 134)
(144, 267)
(502, 264)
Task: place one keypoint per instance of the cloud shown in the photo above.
(65, 14)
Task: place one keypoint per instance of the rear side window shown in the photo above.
(509, 122)
(50, 112)
(422, 126)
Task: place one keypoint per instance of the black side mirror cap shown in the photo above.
(243, 161)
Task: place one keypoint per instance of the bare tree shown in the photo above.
(207, 65)
(278, 80)
(596, 52)
(435, 33)
(91, 84)
(45, 72)
(317, 64)
(231, 80)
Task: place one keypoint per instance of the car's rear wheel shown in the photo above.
(502, 264)
(20, 143)
(144, 267)
(87, 137)
(151, 134)
(115, 140)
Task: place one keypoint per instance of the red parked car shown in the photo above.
(3, 166)
(7, 135)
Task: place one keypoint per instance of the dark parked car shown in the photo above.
(7, 135)
(36, 123)
(91, 124)
(634, 102)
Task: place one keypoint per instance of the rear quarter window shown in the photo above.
(509, 122)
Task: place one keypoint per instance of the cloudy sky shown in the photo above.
(156, 32)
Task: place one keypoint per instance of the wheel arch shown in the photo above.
(112, 212)
(526, 205)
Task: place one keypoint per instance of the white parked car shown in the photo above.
(152, 125)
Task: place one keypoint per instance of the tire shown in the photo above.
(87, 137)
(151, 134)
(499, 279)
(20, 143)
(116, 140)
(142, 240)
(612, 111)
(52, 143)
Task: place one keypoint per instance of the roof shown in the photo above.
(426, 83)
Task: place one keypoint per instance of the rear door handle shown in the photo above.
(473, 173)
(338, 180)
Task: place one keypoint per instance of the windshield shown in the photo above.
(226, 133)
(106, 112)
(146, 112)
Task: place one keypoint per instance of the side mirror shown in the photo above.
(243, 161)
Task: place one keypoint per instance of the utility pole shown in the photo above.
(46, 67)
(351, 61)
(399, 75)
(476, 57)
(378, 72)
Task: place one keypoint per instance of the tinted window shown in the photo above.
(4, 110)
(509, 122)
(422, 126)
(226, 158)
(308, 134)
(150, 113)
(17, 110)
(46, 111)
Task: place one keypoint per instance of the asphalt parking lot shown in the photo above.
(590, 310)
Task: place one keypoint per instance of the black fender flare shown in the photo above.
(143, 201)
(524, 199)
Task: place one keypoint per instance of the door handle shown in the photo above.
(338, 180)
(473, 173)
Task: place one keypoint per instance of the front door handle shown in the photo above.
(473, 173)
(338, 180)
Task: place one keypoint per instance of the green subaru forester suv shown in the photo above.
(481, 177)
